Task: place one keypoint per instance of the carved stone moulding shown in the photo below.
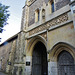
(58, 20)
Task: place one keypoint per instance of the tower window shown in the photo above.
(37, 15)
(43, 13)
(52, 7)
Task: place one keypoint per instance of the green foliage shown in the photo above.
(4, 15)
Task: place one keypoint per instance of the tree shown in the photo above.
(4, 15)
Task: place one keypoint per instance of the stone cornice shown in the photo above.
(57, 26)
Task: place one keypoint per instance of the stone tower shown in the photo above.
(47, 36)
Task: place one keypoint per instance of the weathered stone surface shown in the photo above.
(61, 3)
(32, 8)
(1, 73)
(7, 51)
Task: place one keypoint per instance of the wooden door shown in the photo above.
(36, 63)
(39, 60)
(66, 64)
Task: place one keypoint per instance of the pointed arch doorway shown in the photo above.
(39, 60)
(66, 64)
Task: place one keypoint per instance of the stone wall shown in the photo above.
(61, 3)
(64, 34)
(20, 48)
(32, 8)
(4, 55)
(7, 50)
(19, 66)
(39, 3)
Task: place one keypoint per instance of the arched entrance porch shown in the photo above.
(36, 47)
(62, 59)
(65, 64)
(39, 59)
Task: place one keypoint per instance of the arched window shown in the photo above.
(52, 6)
(43, 13)
(51, 3)
(37, 15)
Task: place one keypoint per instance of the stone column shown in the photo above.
(52, 67)
(28, 66)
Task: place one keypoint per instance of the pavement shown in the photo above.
(1, 73)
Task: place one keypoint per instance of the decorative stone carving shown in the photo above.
(58, 20)
(44, 35)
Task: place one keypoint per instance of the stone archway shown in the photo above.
(39, 59)
(57, 53)
(32, 42)
(65, 64)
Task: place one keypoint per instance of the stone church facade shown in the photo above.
(46, 43)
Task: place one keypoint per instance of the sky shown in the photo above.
(14, 21)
